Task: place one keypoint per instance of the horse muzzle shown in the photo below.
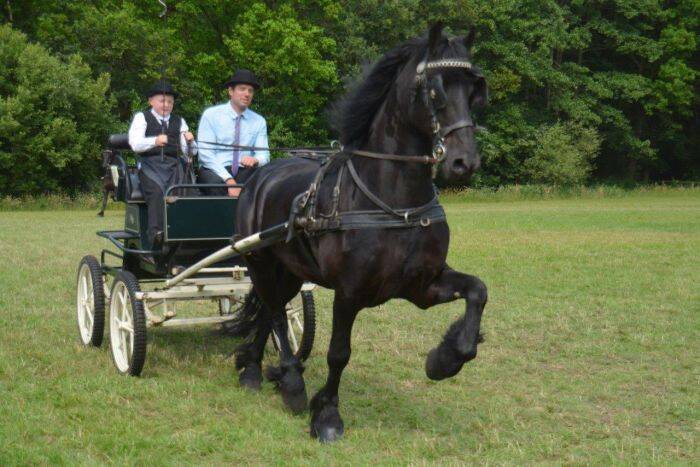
(459, 164)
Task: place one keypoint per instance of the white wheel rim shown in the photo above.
(295, 322)
(121, 327)
(85, 304)
(224, 306)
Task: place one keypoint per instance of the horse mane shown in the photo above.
(353, 114)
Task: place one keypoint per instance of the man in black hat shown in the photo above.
(232, 124)
(159, 137)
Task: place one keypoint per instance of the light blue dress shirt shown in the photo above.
(218, 125)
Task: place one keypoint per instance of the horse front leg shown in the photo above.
(326, 424)
(460, 342)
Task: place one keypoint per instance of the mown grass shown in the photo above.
(93, 200)
(591, 355)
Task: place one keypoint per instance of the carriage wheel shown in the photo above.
(90, 299)
(229, 306)
(127, 325)
(301, 325)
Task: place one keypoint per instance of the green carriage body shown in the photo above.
(194, 225)
(140, 286)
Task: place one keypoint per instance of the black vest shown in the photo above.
(154, 128)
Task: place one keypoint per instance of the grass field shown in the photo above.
(592, 353)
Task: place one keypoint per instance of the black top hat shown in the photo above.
(242, 76)
(161, 87)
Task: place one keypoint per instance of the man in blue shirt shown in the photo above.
(232, 123)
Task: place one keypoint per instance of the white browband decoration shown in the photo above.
(445, 63)
(449, 64)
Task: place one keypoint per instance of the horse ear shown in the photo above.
(469, 39)
(435, 36)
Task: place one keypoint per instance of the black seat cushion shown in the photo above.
(119, 141)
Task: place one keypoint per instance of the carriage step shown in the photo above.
(118, 234)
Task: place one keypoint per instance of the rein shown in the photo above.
(439, 133)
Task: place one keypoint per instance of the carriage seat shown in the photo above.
(129, 186)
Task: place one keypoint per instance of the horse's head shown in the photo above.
(444, 87)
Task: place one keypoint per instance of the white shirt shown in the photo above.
(138, 140)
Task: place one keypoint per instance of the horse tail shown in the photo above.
(246, 326)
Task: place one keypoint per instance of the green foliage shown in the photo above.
(130, 49)
(562, 154)
(53, 115)
(624, 69)
(290, 56)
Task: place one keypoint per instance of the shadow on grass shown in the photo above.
(369, 397)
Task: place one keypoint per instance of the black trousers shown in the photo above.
(207, 176)
(154, 197)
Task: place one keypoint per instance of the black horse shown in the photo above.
(415, 101)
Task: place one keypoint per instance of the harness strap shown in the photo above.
(400, 213)
(464, 123)
(353, 220)
(396, 157)
(380, 220)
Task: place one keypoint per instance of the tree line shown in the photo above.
(580, 91)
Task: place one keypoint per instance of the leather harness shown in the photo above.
(304, 213)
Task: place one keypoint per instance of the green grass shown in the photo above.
(93, 200)
(592, 352)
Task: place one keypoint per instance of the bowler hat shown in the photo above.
(161, 87)
(242, 76)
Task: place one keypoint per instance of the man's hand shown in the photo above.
(189, 136)
(161, 140)
(233, 191)
(248, 161)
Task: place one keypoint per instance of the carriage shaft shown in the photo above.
(258, 240)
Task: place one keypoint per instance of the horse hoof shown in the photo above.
(438, 368)
(291, 385)
(296, 402)
(326, 424)
(251, 378)
(329, 434)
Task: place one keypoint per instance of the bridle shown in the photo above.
(439, 133)
(439, 152)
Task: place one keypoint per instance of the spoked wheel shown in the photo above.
(127, 325)
(301, 325)
(242, 315)
(90, 300)
(229, 306)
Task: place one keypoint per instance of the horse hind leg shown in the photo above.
(275, 286)
(288, 375)
(250, 353)
(459, 344)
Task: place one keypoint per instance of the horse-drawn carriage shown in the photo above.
(139, 286)
(365, 221)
